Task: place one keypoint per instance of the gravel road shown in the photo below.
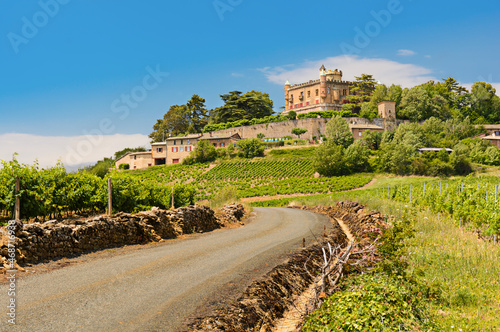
(159, 288)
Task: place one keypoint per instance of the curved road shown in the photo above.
(158, 288)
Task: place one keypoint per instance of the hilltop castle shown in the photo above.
(327, 93)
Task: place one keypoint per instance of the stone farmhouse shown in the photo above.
(173, 150)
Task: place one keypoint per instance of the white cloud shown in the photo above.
(384, 70)
(406, 52)
(237, 75)
(73, 151)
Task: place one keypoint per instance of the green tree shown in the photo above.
(329, 160)
(250, 147)
(299, 131)
(338, 131)
(356, 157)
(362, 89)
(237, 106)
(484, 102)
(292, 115)
(372, 139)
(181, 119)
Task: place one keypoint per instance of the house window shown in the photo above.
(188, 148)
(307, 103)
(181, 141)
(317, 101)
(308, 94)
(135, 167)
(175, 161)
(175, 143)
(149, 165)
(215, 144)
(159, 150)
(222, 145)
(296, 105)
(497, 133)
(317, 92)
(182, 148)
(360, 134)
(135, 157)
(187, 142)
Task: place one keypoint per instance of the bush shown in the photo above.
(203, 152)
(251, 147)
(330, 160)
(124, 166)
(372, 302)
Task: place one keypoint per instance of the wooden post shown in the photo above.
(173, 200)
(110, 198)
(17, 212)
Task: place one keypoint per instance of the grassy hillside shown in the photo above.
(282, 171)
(453, 271)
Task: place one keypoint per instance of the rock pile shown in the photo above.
(231, 213)
(40, 241)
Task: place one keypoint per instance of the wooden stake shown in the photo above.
(110, 198)
(173, 200)
(17, 211)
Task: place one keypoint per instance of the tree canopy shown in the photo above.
(181, 119)
(338, 131)
(238, 106)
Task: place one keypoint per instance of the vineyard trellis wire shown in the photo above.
(469, 201)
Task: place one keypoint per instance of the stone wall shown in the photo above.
(314, 126)
(41, 241)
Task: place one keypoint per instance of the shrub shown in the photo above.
(251, 147)
(124, 166)
(330, 160)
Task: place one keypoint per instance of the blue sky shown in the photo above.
(66, 66)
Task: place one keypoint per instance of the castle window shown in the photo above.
(328, 90)
(308, 94)
(317, 92)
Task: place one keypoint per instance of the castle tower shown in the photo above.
(337, 75)
(287, 96)
(387, 111)
(322, 80)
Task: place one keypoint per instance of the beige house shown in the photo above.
(327, 93)
(179, 148)
(159, 153)
(358, 130)
(135, 160)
